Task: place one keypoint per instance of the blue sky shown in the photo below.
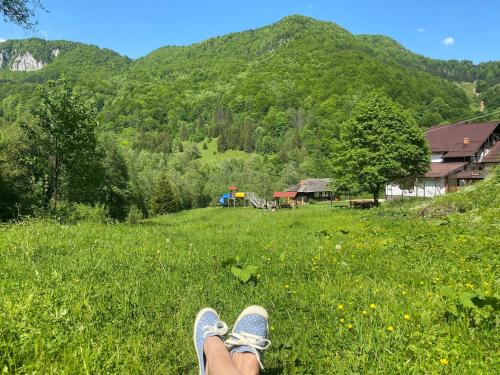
(444, 29)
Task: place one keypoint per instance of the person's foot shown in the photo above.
(207, 324)
(250, 333)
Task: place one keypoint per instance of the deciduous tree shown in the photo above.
(62, 143)
(20, 12)
(380, 143)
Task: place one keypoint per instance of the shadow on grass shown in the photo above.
(274, 371)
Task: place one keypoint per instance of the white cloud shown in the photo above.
(2, 40)
(421, 30)
(449, 41)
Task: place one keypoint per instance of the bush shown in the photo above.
(134, 215)
(71, 213)
(91, 214)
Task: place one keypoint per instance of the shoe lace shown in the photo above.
(255, 342)
(219, 329)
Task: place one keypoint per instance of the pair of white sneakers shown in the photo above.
(249, 334)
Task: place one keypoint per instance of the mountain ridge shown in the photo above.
(295, 62)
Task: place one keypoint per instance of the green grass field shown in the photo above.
(347, 291)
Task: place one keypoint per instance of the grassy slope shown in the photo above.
(211, 156)
(121, 299)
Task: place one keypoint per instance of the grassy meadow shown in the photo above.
(348, 291)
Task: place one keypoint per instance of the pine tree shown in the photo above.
(164, 200)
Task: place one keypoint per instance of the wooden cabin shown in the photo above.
(317, 189)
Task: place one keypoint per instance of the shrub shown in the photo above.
(134, 215)
(92, 214)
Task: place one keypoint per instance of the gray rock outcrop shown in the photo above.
(26, 63)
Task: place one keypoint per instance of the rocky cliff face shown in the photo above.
(22, 62)
(4, 58)
(26, 63)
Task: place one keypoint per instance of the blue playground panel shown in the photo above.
(224, 198)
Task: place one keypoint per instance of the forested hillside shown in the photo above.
(278, 93)
(90, 68)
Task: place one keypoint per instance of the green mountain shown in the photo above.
(24, 64)
(286, 85)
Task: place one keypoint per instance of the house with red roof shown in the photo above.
(462, 154)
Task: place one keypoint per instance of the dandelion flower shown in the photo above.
(271, 328)
(349, 326)
(364, 312)
(406, 316)
(390, 328)
(338, 247)
(342, 320)
(287, 286)
(443, 361)
(340, 306)
(373, 306)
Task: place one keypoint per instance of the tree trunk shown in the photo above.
(375, 196)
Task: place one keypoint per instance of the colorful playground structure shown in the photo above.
(237, 198)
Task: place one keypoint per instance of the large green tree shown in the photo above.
(62, 143)
(380, 143)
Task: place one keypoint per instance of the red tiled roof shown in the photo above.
(232, 187)
(285, 194)
(444, 169)
(450, 138)
(494, 154)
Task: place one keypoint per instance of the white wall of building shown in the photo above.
(428, 187)
(437, 158)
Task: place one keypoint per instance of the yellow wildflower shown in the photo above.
(287, 286)
(390, 328)
(443, 361)
(271, 328)
(364, 312)
(340, 306)
(349, 326)
(373, 306)
(342, 320)
(406, 316)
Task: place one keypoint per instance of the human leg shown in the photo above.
(218, 360)
(248, 340)
(208, 340)
(246, 363)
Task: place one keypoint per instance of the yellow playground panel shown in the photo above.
(239, 195)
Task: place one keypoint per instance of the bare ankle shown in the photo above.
(247, 363)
